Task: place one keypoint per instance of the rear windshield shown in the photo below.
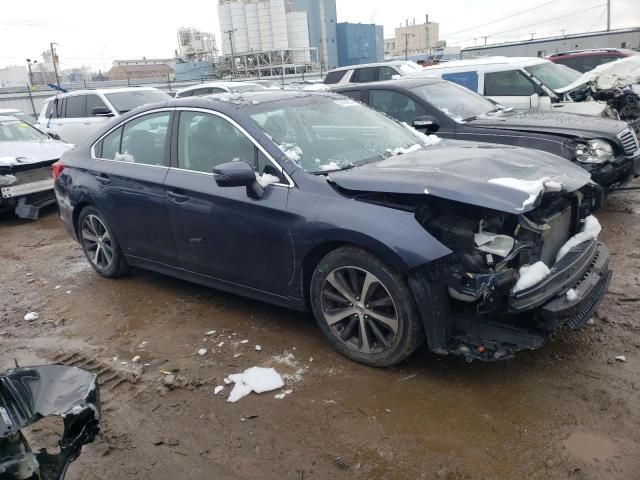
(19, 131)
(125, 101)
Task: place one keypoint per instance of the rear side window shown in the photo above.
(334, 77)
(512, 83)
(93, 102)
(201, 91)
(76, 107)
(110, 145)
(188, 93)
(387, 73)
(365, 75)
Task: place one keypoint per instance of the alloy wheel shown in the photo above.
(359, 310)
(97, 242)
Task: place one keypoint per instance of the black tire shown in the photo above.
(87, 227)
(387, 343)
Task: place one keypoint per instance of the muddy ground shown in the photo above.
(568, 410)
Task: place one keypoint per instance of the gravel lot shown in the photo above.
(568, 410)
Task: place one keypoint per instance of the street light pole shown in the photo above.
(233, 54)
(53, 59)
(30, 72)
(406, 44)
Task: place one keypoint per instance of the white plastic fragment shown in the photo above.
(621, 358)
(571, 295)
(136, 359)
(210, 332)
(202, 351)
(56, 287)
(220, 344)
(30, 316)
(244, 341)
(288, 392)
(254, 379)
(279, 396)
(530, 275)
(591, 321)
(218, 389)
(227, 381)
(590, 231)
(258, 348)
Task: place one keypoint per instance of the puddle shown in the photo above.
(588, 447)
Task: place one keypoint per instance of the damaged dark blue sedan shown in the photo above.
(314, 201)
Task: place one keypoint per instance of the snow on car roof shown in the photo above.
(216, 84)
(99, 90)
(395, 63)
(473, 62)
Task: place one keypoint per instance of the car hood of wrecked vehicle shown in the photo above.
(487, 175)
(553, 122)
(618, 74)
(15, 154)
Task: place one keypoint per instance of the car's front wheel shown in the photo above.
(364, 307)
(100, 245)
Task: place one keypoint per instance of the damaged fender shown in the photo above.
(29, 394)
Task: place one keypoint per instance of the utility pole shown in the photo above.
(485, 39)
(563, 30)
(30, 72)
(406, 44)
(532, 34)
(53, 59)
(608, 15)
(233, 53)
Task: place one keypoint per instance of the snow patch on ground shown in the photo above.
(295, 369)
(590, 231)
(254, 379)
(530, 275)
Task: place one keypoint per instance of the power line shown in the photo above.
(500, 19)
(598, 20)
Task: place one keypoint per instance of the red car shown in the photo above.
(586, 60)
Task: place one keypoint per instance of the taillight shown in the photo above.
(56, 169)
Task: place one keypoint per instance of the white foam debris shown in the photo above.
(288, 392)
(621, 358)
(124, 363)
(267, 179)
(571, 295)
(591, 321)
(136, 359)
(279, 396)
(227, 381)
(115, 359)
(530, 275)
(258, 348)
(30, 316)
(244, 341)
(57, 287)
(221, 344)
(202, 351)
(68, 291)
(210, 332)
(590, 231)
(254, 379)
(218, 389)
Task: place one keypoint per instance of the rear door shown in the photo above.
(130, 167)
(511, 88)
(219, 231)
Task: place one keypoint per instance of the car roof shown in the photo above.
(404, 82)
(590, 51)
(488, 62)
(378, 64)
(9, 110)
(99, 90)
(215, 84)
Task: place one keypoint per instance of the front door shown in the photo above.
(510, 88)
(129, 172)
(220, 231)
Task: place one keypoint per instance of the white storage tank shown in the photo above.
(279, 24)
(253, 26)
(298, 35)
(240, 38)
(264, 19)
(224, 15)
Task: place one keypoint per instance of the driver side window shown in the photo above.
(206, 141)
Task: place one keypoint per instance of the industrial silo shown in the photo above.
(253, 26)
(226, 24)
(298, 35)
(240, 38)
(264, 19)
(279, 24)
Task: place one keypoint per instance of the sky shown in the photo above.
(96, 33)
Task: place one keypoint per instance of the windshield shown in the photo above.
(458, 103)
(246, 88)
(19, 131)
(334, 134)
(125, 101)
(553, 75)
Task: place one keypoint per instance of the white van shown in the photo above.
(73, 116)
(519, 82)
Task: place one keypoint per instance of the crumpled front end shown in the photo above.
(29, 394)
(511, 279)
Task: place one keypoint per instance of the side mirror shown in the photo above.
(238, 174)
(534, 101)
(101, 112)
(426, 123)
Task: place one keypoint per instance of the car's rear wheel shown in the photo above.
(364, 307)
(100, 245)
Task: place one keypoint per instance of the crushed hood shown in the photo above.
(491, 176)
(29, 394)
(618, 74)
(21, 154)
(551, 122)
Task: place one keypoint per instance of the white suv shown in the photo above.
(370, 72)
(75, 115)
(212, 88)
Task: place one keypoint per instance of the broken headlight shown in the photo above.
(594, 151)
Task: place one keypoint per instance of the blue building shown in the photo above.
(321, 15)
(359, 43)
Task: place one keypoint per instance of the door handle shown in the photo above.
(103, 179)
(177, 197)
